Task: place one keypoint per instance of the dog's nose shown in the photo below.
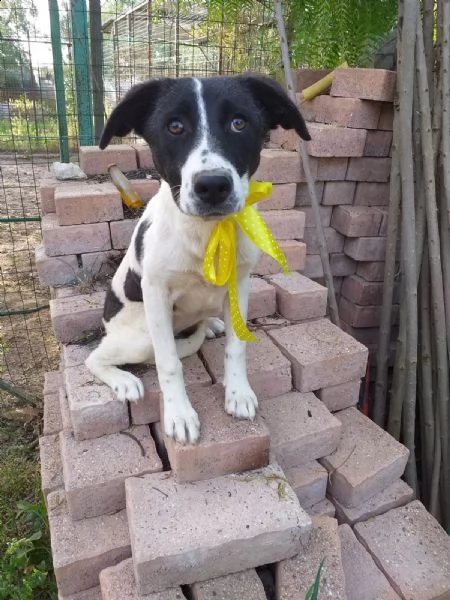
(213, 187)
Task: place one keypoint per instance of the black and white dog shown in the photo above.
(206, 136)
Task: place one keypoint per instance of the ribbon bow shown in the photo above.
(219, 265)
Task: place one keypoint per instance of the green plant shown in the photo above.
(26, 565)
(313, 592)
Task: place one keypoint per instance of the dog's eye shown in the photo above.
(175, 126)
(238, 124)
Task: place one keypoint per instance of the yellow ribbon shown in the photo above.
(219, 265)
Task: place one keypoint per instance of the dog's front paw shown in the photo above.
(127, 386)
(240, 401)
(183, 425)
(214, 327)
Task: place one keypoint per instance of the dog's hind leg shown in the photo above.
(214, 327)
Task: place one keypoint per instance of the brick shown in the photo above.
(226, 445)
(342, 265)
(72, 317)
(411, 549)
(295, 576)
(334, 240)
(280, 166)
(262, 299)
(363, 579)
(313, 266)
(94, 411)
(52, 414)
(269, 372)
(298, 297)
(191, 540)
(69, 291)
(338, 192)
(309, 482)
(286, 139)
(369, 169)
(121, 232)
(365, 335)
(338, 397)
(81, 549)
(95, 470)
(371, 194)
(337, 282)
(73, 239)
(356, 221)
(302, 195)
(65, 410)
(321, 354)
(285, 224)
(246, 585)
(88, 203)
(367, 460)
(363, 316)
(101, 263)
(371, 270)
(325, 508)
(146, 410)
(94, 161)
(91, 594)
(366, 248)
(384, 221)
(52, 382)
(51, 467)
(144, 156)
(301, 428)
(146, 188)
(386, 120)
(271, 322)
(334, 142)
(331, 169)
(358, 290)
(59, 270)
(118, 583)
(73, 355)
(378, 143)
(303, 78)
(325, 216)
(394, 495)
(295, 253)
(367, 84)
(47, 195)
(344, 112)
(282, 197)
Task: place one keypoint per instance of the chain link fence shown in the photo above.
(63, 66)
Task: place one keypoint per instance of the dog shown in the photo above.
(205, 136)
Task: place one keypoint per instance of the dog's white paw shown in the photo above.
(214, 327)
(241, 402)
(183, 425)
(127, 386)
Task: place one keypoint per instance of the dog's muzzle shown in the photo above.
(214, 191)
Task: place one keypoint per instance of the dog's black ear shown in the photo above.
(278, 107)
(132, 110)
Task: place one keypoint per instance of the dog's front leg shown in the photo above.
(240, 399)
(180, 419)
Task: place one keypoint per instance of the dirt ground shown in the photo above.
(27, 346)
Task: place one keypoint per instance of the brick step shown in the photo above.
(95, 470)
(282, 197)
(366, 461)
(95, 162)
(324, 508)
(298, 298)
(367, 84)
(185, 534)
(309, 482)
(363, 579)
(394, 495)
(344, 112)
(301, 428)
(296, 575)
(322, 355)
(82, 549)
(91, 594)
(411, 549)
(295, 253)
(338, 397)
(118, 583)
(226, 445)
(359, 221)
(245, 585)
(51, 465)
(88, 203)
(285, 224)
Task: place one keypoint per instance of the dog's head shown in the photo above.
(205, 134)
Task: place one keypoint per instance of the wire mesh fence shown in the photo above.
(64, 64)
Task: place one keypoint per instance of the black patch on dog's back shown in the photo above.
(139, 239)
(132, 287)
(112, 305)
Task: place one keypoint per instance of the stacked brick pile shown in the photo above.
(351, 133)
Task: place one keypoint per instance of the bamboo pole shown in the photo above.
(334, 314)
(445, 87)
